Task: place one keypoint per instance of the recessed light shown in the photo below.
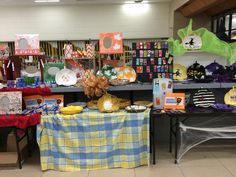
(42, 1)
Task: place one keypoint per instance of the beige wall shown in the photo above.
(174, 5)
(83, 21)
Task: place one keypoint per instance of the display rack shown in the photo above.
(148, 86)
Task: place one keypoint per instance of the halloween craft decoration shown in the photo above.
(203, 98)
(230, 97)
(196, 71)
(179, 72)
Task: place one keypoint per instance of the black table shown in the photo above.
(175, 118)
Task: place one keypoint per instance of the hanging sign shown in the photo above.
(27, 44)
(111, 43)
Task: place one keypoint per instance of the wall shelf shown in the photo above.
(148, 86)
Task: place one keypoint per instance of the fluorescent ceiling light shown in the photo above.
(41, 1)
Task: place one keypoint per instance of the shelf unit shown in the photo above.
(148, 86)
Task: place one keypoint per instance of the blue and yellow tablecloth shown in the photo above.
(93, 140)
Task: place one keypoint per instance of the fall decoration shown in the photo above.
(94, 85)
(108, 103)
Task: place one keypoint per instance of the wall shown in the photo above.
(84, 21)
(174, 5)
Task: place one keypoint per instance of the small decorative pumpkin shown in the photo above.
(196, 71)
(180, 72)
(230, 97)
(108, 103)
(212, 67)
(203, 98)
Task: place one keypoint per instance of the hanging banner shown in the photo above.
(111, 43)
(27, 44)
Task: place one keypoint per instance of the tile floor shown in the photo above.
(202, 161)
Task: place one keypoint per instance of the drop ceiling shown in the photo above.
(68, 2)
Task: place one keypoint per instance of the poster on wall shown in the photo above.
(27, 44)
(111, 43)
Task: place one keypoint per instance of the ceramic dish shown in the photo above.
(82, 104)
(135, 109)
(144, 103)
(66, 77)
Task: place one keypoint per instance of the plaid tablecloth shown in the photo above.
(93, 140)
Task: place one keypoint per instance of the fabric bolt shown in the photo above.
(93, 140)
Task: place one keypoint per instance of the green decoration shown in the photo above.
(210, 43)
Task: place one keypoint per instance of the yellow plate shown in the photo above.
(70, 110)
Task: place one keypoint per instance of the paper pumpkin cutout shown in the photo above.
(230, 97)
(27, 44)
(110, 43)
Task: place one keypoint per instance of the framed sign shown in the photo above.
(175, 101)
(110, 43)
(27, 44)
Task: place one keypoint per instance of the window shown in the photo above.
(224, 26)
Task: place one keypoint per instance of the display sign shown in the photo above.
(175, 101)
(111, 43)
(27, 44)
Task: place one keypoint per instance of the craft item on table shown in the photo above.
(126, 72)
(4, 52)
(27, 44)
(223, 107)
(110, 43)
(70, 110)
(231, 71)
(68, 51)
(94, 85)
(34, 102)
(174, 101)
(179, 72)
(109, 72)
(79, 54)
(50, 70)
(135, 108)
(66, 77)
(54, 102)
(204, 79)
(221, 75)
(230, 97)
(196, 71)
(113, 63)
(203, 98)
(82, 104)
(108, 103)
(155, 62)
(92, 104)
(161, 86)
(147, 104)
(117, 82)
(124, 103)
(10, 102)
(212, 67)
(90, 50)
(30, 71)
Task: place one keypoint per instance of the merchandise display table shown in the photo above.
(93, 140)
(22, 122)
(206, 124)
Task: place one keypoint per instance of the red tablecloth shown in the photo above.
(19, 121)
(29, 91)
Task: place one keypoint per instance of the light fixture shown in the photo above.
(45, 1)
(136, 2)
